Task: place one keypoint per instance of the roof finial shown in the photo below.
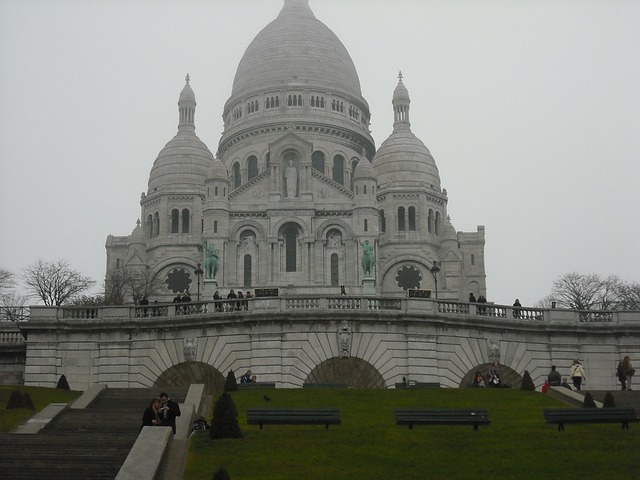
(400, 75)
(187, 78)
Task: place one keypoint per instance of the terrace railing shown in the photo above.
(318, 304)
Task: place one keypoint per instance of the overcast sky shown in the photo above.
(530, 108)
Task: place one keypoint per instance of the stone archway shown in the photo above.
(184, 374)
(508, 376)
(354, 372)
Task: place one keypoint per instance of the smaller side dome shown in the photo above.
(364, 169)
(137, 235)
(184, 162)
(402, 159)
(218, 171)
(449, 233)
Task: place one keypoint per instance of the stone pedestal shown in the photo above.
(210, 286)
(369, 286)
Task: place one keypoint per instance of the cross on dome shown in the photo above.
(187, 78)
(400, 75)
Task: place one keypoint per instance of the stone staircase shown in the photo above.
(92, 443)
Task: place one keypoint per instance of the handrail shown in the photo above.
(321, 303)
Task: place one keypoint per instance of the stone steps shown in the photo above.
(92, 443)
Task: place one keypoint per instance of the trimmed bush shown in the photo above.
(224, 423)
(63, 384)
(221, 474)
(609, 401)
(15, 399)
(27, 402)
(588, 401)
(527, 382)
(20, 400)
(231, 384)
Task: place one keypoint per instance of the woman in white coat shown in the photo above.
(577, 374)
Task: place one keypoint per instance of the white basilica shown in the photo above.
(297, 196)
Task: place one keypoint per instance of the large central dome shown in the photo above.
(296, 48)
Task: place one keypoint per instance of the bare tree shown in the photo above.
(592, 292)
(55, 282)
(630, 296)
(7, 283)
(144, 284)
(124, 283)
(116, 286)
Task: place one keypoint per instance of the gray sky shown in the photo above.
(530, 108)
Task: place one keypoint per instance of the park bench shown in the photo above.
(414, 384)
(243, 386)
(441, 416)
(325, 385)
(293, 416)
(560, 416)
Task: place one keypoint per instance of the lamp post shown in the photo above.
(198, 271)
(434, 271)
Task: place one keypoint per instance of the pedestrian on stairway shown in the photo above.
(168, 412)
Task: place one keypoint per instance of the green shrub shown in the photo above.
(63, 384)
(231, 384)
(224, 423)
(527, 382)
(15, 400)
(588, 401)
(221, 474)
(20, 400)
(609, 401)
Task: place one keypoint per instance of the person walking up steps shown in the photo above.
(577, 374)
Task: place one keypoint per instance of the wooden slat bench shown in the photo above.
(414, 384)
(243, 386)
(325, 385)
(293, 416)
(560, 416)
(441, 416)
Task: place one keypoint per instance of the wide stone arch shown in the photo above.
(508, 376)
(353, 372)
(182, 375)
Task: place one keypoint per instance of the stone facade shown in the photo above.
(358, 341)
(297, 192)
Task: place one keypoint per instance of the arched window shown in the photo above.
(317, 161)
(175, 221)
(430, 221)
(473, 259)
(366, 225)
(215, 191)
(291, 249)
(237, 181)
(252, 166)
(437, 225)
(156, 224)
(354, 164)
(215, 226)
(401, 226)
(185, 221)
(383, 222)
(412, 218)
(338, 169)
(247, 270)
(335, 272)
(149, 227)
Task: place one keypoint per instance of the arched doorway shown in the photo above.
(181, 376)
(508, 376)
(354, 372)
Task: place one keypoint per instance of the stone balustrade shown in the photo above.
(288, 303)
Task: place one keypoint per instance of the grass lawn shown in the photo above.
(41, 396)
(368, 445)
